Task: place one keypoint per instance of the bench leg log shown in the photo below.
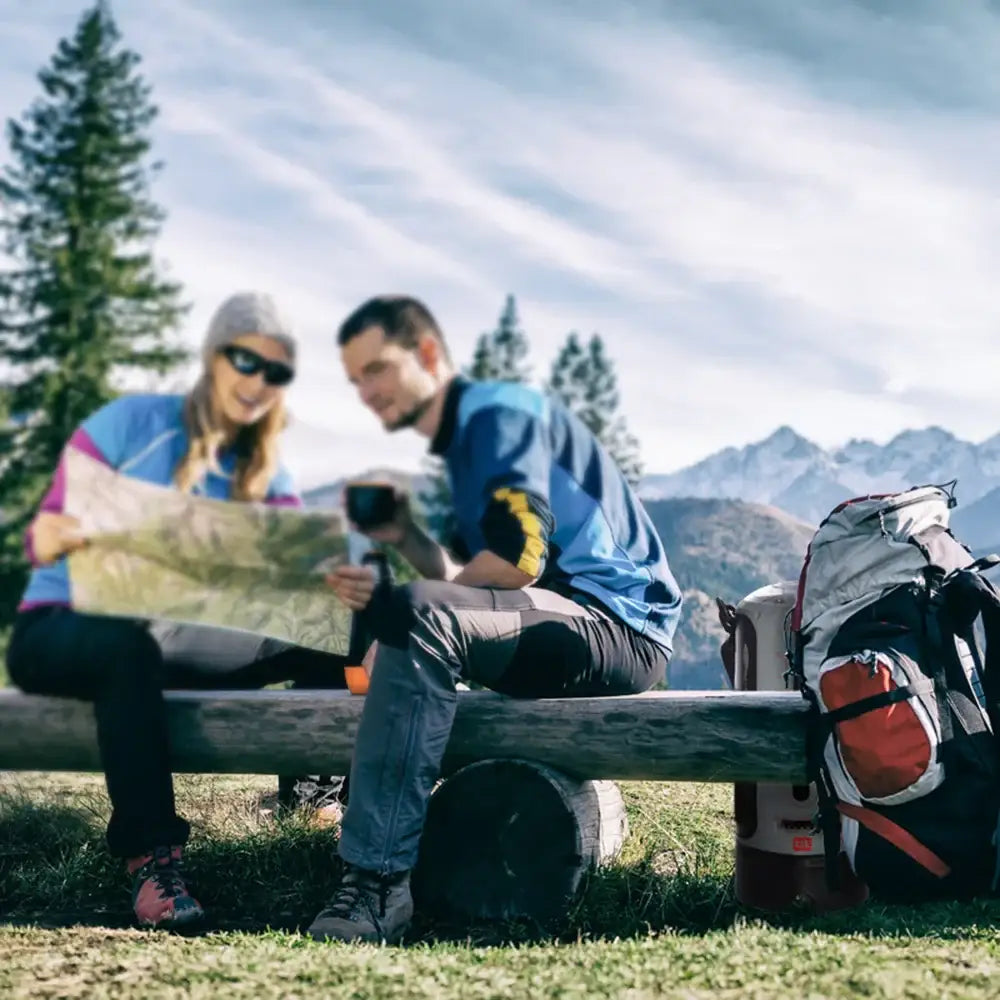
(512, 838)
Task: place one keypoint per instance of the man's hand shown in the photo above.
(54, 535)
(354, 585)
(430, 559)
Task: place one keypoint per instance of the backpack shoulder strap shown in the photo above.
(967, 595)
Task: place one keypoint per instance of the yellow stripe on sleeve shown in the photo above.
(530, 560)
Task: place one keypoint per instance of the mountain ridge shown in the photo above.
(789, 471)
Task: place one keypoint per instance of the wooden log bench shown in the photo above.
(528, 803)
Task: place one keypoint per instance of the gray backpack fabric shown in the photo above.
(884, 646)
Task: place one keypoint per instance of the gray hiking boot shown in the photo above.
(366, 907)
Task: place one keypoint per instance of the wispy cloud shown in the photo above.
(383, 140)
(773, 215)
(369, 233)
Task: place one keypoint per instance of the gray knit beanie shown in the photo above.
(243, 313)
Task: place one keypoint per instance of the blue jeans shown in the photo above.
(525, 643)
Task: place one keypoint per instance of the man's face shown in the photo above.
(395, 382)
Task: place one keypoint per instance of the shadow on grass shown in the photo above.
(633, 900)
(55, 871)
(51, 858)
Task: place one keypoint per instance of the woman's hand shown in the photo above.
(54, 535)
(354, 585)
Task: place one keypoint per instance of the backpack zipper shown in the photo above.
(892, 508)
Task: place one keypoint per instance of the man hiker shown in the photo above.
(555, 586)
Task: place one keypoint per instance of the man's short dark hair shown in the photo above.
(402, 318)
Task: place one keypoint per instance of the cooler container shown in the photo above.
(779, 854)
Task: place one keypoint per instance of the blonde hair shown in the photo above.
(256, 445)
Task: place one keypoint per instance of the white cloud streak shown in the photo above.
(757, 249)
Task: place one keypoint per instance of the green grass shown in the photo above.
(4, 636)
(660, 921)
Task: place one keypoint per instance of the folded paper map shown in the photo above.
(156, 553)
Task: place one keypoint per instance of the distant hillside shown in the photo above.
(978, 524)
(727, 549)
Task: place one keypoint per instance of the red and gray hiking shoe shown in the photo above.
(159, 896)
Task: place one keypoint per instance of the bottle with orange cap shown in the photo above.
(362, 637)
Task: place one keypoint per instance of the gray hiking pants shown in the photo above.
(524, 643)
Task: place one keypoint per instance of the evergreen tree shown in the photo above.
(583, 378)
(500, 355)
(568, 374)
(434, 502)
(83, 302)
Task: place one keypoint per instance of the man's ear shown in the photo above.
(429, 352)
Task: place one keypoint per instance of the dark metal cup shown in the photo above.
(370, 505)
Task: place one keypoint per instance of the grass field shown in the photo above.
(661, 921)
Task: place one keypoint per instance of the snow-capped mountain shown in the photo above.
(791, 472)
(754, 474)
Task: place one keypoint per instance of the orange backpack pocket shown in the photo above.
(885, 733)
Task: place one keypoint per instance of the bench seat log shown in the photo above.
(512, 838)
(724, 736)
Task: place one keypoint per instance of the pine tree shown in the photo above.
(435, 505)
(583, 378)
(568, 374)
(500, 355)
(83, 302)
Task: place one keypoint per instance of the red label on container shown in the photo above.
(802, 843)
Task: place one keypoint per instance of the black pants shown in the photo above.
(118, 665)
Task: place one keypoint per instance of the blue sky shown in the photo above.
(774, 212)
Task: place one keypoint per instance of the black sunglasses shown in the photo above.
(248, 362)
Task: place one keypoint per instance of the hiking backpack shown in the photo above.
(885, 646)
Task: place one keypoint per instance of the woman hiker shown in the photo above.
(221, 440)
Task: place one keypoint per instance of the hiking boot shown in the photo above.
(366, 907)
(160, 898)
